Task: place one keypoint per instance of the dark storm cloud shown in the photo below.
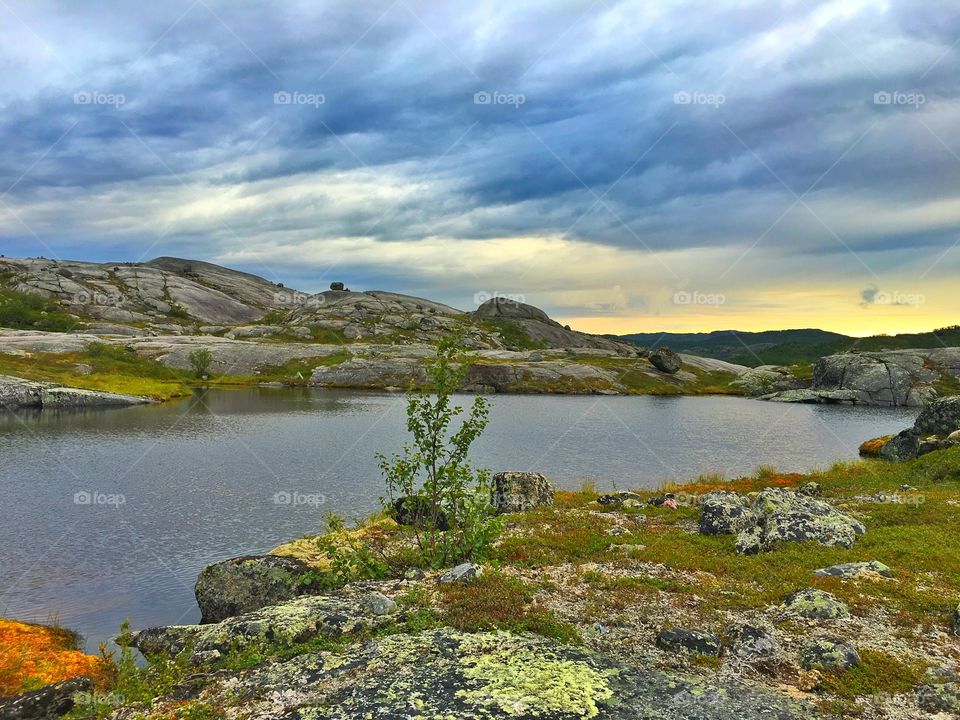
(616, 136)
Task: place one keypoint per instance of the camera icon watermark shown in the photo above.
(900, 299)
(95, 97)
(898, 97)
(495, 97)
(685, 297)
(293, 299)
(482, 296)
(284, 97)
(293, 498)
(85, 497)
(91, 297)
(695, 97)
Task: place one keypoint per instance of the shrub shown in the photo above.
(435, 469)
(200, 360)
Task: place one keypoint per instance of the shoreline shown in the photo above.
(609, 573)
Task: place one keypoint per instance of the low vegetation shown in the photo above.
(30, 311)
(32, 656)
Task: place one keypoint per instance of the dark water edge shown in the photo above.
(111, 514)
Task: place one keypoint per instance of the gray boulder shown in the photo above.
(244, 584)
(816, 605)
(902, 378)
(463, 573)
(51, 701)
(754, 646)
(665, 360)
(768, 379)
(830, 655)
(855, 569)
(811, 489)
(956, 621)
(724, 513)
(269, 630)
(939, 698)
(694, 641)
(934, 429)
(515, 491)
(619, 498)
(781, 515)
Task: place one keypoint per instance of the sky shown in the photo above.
(627, 166)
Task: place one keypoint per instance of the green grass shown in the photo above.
(497, 601)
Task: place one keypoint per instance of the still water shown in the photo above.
(111, 514)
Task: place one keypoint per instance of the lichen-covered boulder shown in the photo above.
(51, 701)
(724, 513)
(932, 431)
(811, 489)
(665, 360)
(768, 379)
(244, 584)
(695, 641)
(619, 498)
(462, 573)
(944, 698)
(816, 605)
(270, 629)
(781, 515)
(956, 621)
(831, 655)
(448, 674)
(855, 569)
(515, 491)
(753, 646)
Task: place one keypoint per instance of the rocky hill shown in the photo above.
(164, 309)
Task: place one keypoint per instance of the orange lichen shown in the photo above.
(872, 448)
(32, 656)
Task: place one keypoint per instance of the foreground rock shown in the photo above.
(902, 378)
(776, 515)
(936, 428)
(48, 702)
(244, 584)
(515, 492)
(695, 641)
(272, 628)
(462, 573)
(846, 571)
(943, 698)
(816, 605)
(830, 655)
(754, 646)
(16, 393)
(449, 674)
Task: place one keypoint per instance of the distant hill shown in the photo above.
(788, 347)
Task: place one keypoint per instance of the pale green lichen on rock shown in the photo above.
(520, 682)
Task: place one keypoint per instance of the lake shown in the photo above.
(111, 514)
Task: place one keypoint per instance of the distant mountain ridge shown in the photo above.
(787, 347)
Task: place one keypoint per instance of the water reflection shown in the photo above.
(199, 477)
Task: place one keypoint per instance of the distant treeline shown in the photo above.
(788, 347)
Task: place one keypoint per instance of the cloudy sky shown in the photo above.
(628, 166)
